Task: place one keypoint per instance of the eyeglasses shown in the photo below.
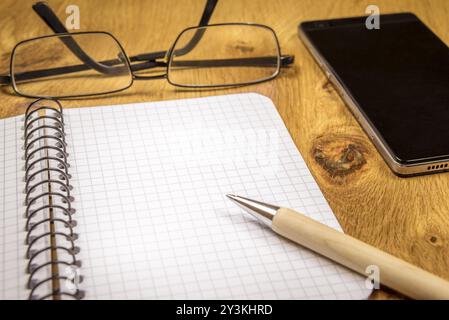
(69, 65)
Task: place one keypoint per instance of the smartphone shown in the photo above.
(395, 80)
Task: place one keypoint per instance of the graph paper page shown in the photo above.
(150, 181)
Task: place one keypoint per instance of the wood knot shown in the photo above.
(242, 46)
(327, 87)
(434, 240)
(339, 155)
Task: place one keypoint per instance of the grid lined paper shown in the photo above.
(150, 181)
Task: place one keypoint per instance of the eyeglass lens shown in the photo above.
(63, 65)
(230, 54)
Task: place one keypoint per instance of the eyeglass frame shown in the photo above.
(45, 12)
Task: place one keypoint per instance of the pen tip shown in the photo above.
(262, 211)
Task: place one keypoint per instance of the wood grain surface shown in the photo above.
(408, 218)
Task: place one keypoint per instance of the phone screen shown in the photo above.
(398, 76)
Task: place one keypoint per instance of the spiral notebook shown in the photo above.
(128, 201)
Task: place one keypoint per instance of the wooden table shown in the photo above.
(405, 217)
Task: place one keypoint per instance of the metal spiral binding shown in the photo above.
(45, 154)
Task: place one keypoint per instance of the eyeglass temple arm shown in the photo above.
(49, 17)
(247, 62)
(4, 80)
(46, 13)
(204, 21)
(255, 61)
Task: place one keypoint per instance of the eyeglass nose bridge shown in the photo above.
(146, 65)
(144, 62)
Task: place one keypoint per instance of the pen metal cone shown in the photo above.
(262, 211)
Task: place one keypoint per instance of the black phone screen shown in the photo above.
(398, 76)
